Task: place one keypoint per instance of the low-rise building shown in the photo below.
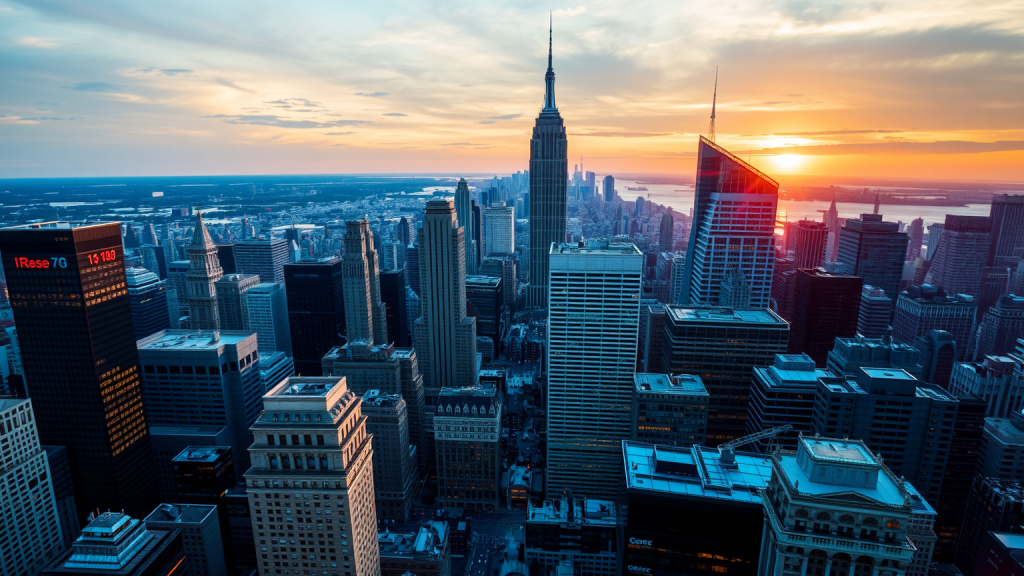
(116, 544)
(425, 551)
(580, 530)
(200, 533)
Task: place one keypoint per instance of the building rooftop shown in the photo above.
(186, 430)
(298, 387)
(479, 280)
(719, 315)
(191, 340)
(377, 398)
(839, 466)
(573, 510)
(678, 384)
(58, 225)
(201, 454)
(1005, 429)
(696, 472)
(597, 247)
(181, 513)
(790, 370)
(428, 540)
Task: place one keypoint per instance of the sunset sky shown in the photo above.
(914, 89)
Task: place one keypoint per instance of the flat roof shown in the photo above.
(831, 450)
(681, 384)
(201, 454)
(718, 315)
(696, 472)
(191, 340)
(185, 430)
(181, 513)
(307, 386)
(596, 247)
(888, 373)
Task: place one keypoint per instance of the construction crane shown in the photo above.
(769, 433)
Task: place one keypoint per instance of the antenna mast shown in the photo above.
(714, 99)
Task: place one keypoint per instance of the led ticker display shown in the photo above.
(102, 256)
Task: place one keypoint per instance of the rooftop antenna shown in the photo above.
(714, 99)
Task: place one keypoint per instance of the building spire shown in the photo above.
(714, 100)
(549, 77)
(200, 235)
(878, 201)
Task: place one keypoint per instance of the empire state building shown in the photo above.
(548, 173)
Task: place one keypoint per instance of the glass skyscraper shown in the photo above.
(733, 227)
(69, 295)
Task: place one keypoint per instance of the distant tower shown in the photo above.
(548, 174)
(959, 260)
(204, 269)
(832, 225)
(464, 209)
(665, 232)
(878, 202)
(609, 188)
(365, 314)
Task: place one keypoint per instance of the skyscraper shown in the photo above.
(394, 460)
(365, 314)
(873, 318)
(920, 309)
(396, 306)
(311, 446)
(665, 230)
(262, 256)
(203, 271)
(1007, 216)
(464, 210)
(915, 236)
(445, 336)
(733, 226)
(825, 306)
(548, 175)
(809, 240)
(722, 346)
(874, 250)
(67, 287)
(1001, 326)
(316, 311)
(467, 439)
(148, 297)
(232, 309)
(594, 314)
(499, 229)
(219, 372)
(267, 306)
(609, 188)
(832, 225)
(30, 535)
(960, 257)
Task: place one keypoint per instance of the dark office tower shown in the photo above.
(131, 237)
(226, 255)
(665, 232)
(148, 297)
(1007, 215)
(464, 211)
(960, 258)
(874, 250)
(478, 233)
(63, 492)
(909, 431)
(995, 282)
(203, 271)
(203, 475)
(412, 267)
(783, 393)
(504, 267)
(809, 239)
(994, 505)
(938, 356)
(733, 225)
(70, 301)
(365, 316)
(783, 284)
(873, 318)
(915, 236)
(825, 307)
(549, 168)
(406, 233)
(923, 308)
(394, 462)
(316, 311)
(396, 306)
(609, 188)
(483, 295)
(734, 291)
(149, 235)
(722, 346)
(232, 308)
(445, 336)
(262, 256)
(964, 449)
(1001, 326)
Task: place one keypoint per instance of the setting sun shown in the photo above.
(788, 162)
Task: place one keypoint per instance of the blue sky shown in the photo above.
(908, 88)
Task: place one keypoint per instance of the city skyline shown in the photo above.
(910, 90)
